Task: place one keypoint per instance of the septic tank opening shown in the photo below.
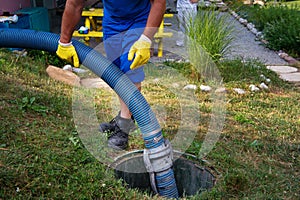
(191, 178)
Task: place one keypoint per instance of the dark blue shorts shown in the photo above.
(117, 46)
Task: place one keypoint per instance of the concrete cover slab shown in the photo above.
(292, 77)
(282, 69)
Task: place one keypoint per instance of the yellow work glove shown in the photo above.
(67, 52)
(140, 51)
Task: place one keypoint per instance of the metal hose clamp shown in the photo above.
(157, 160)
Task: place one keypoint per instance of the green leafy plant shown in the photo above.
(29, 104)
(242, 119)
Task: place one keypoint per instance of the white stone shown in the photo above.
(205, 88)
(170, 59)
(221, 90)
(283, 55)
(234, 14)
(156, 80)
(220, 4)
(265, 78)
(207, 3)
(190, 87)
(259, 34)
(67, 67)
(250, 26)
(239, 90)
(254, 31)
(282, 69)
(262, 76)
(243, 21)
(263, 86)
(175, 85)
(253, 88)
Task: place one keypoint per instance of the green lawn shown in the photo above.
(42, 157)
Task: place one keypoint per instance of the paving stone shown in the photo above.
(291, 77)
(282, 69)
(65, 76)
(94, 83)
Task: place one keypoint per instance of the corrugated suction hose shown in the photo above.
(117, 80)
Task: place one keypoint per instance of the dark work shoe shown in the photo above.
(107, 127)
(118, 139)
(118, 130)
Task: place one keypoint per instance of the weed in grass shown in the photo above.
(248, 72)
(242, 119)
(236, 181)
(29, 104)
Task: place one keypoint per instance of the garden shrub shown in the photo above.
(284, 34)
(279, 23)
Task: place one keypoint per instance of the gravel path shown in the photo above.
(244, 46)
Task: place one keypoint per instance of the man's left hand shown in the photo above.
(140, 51)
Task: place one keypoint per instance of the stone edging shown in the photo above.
(251, 27)
(287, 73)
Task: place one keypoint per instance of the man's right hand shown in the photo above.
(66, 51)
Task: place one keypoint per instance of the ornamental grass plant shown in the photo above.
(208, 39)
(211, 30)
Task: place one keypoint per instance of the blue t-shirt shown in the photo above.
(121, 15)
(126, 9)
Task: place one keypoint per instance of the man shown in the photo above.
(128, 28)
(187, 10)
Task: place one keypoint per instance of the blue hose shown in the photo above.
(115, 78)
